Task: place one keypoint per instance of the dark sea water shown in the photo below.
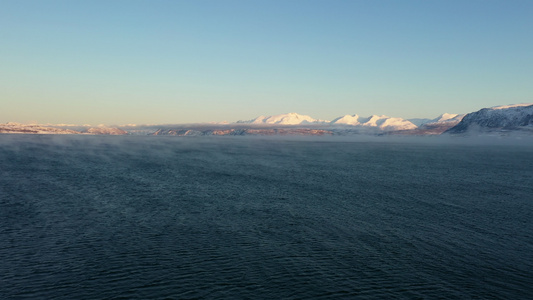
(237, 218)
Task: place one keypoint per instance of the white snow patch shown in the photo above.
(382, 122)
(511, 105)
(283, 119)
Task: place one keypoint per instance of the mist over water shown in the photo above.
(250, 218)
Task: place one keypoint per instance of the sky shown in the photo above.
(170, 62)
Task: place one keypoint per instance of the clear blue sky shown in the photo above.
(151, 61)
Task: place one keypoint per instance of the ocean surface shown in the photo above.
(86, 217)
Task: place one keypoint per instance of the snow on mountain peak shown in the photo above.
(283, 119)
(495, 118)
(347, 120)
(445, 117)
(375, 120)
(382, 122)
(511, 106)
(396, 124)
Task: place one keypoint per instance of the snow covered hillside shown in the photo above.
(283, 119)
(382, 122)
(507, 117)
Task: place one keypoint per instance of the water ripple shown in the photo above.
(252, 219)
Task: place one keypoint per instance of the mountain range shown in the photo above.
(495, 119)
(506, 118)
(381, 122)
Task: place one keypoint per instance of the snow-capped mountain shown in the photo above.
(382, 122)
(511, 106)
(347, 120)
(438, 125)
(379, 122)
(447, 118)
(507, 117)
(444, 118)
(500, 117)
(283, 119)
